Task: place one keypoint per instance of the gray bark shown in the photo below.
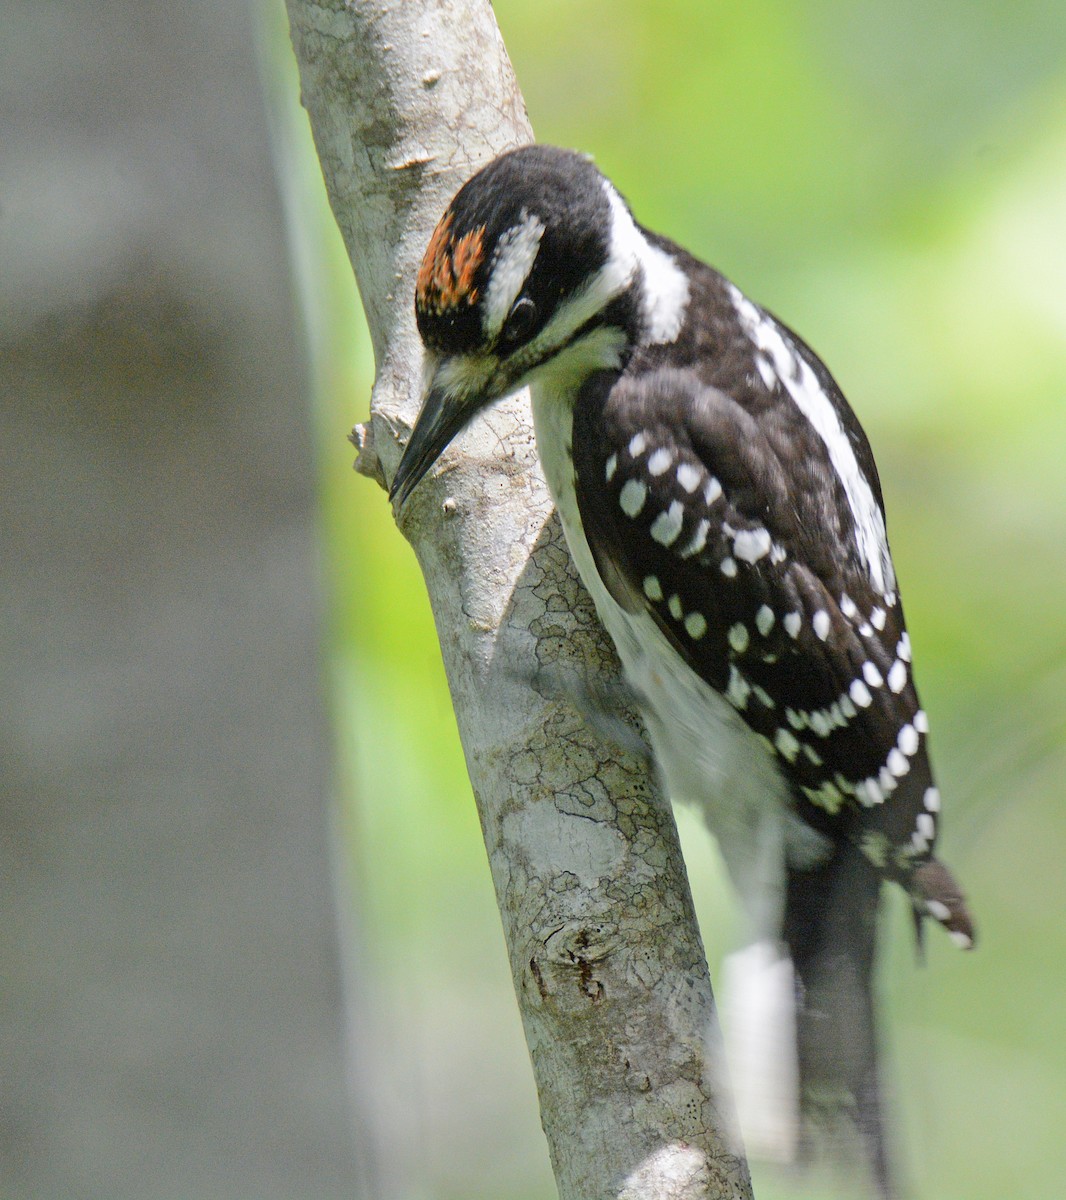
(406, 101)
(172, 1018)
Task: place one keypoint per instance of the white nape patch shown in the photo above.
(512, 262)
(738, 637)
(821, 624)
(695, 625)
(712, 491)
(932, 799)
(897, 677)
(860, 693)
(907, 740)
(653, 589)
(728, 567)
(698, 540)
(871, 674)
(802, 385)
(667, 525)
(764, 620)
(759, 1020)
(611, 467)
(665, 290)
(792, 622)
(638, 443)
(689, 477)
(751, 544)
(660, 461)
(921, 721)
(632, 497)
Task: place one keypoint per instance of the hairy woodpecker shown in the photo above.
(722, 505)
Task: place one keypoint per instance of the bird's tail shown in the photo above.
(830, 929)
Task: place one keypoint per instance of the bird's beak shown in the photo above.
(456, 391)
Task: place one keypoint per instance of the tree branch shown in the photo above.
(406, 102)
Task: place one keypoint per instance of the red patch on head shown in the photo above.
(446, 277)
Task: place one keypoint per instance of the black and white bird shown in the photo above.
(722, 506)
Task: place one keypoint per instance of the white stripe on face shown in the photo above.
(511, 264)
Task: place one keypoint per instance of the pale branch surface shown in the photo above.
(406, 101)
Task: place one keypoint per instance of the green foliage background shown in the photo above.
(891, 180)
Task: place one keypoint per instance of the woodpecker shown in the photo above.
(722, 507)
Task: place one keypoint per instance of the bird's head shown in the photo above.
(536, 268)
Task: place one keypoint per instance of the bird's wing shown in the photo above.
(729, 517)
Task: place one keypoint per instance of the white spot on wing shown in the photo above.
(860, 693)
(659, 461)
(674, 605)
(871, 674)
(689, 477)
(907, 740)
(786, 742)
(738, 637)
(611, 467)
(897, 763)
(632, 497)
(792, 622)
(667, 525)
(751, 544)
(712, 491)
(638, 443)
(728, 567)
(695, 625)
(739, 689)
(821, 623)
(698, 540)
(764, 620)
(897, 677)
(653, 589)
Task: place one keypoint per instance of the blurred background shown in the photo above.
(249, 942)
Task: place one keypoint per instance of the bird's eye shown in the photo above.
(520, 320)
